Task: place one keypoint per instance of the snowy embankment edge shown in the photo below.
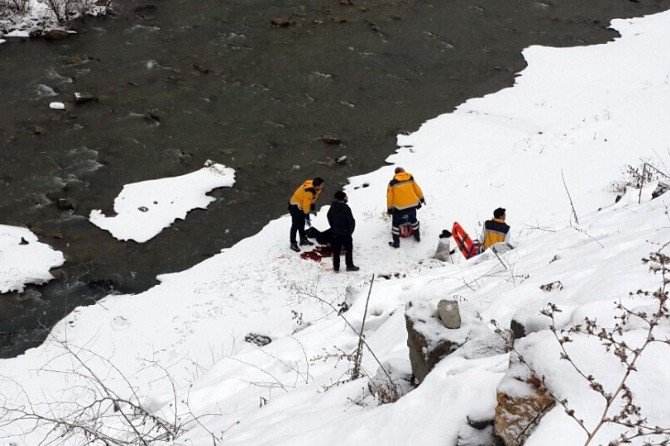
(24, 260)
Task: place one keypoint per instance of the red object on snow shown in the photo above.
(317, 253)
(465, 244)
(406, 230)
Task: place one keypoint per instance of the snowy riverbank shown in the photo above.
(21, 18)
(579, 113)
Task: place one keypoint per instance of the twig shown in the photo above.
(359, 350)
(574, 212)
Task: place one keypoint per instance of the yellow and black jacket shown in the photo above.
(403, 192)
(495, 231)
(305, 197)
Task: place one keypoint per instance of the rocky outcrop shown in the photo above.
(435, 332)
(522, 402)
(428, 340)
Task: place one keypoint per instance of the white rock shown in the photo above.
(57, 106)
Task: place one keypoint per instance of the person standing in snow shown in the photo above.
(342, 224)
(495, 231)
(403, 198)
(300, 205)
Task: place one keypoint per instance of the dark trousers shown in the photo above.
(402, 216)
(297, 222)
(339, 242)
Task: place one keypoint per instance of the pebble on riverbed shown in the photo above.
(82, 98)
(328, 139)
(280, 21)
(57, 106)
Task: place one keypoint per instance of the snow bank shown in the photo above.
(584, 112)
(144, 209)
(24, 260)
(37, 16)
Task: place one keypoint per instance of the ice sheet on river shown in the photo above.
(144, 209)
(24, 260)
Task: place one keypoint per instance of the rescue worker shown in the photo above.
(403, 198)
(299, 206)
(495, 231)
(342, 224)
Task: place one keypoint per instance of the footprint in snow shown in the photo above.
(120, 323)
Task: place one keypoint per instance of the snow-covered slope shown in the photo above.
(585, 111)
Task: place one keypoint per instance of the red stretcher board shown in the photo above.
(465, 244)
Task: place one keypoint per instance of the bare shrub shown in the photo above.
(636, 176)
(92, 412)
(65, 10)
(621, 408)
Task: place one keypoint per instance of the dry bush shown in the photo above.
(13, 6)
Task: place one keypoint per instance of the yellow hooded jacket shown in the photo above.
(495, 231)
(403, 192)
(305, 196)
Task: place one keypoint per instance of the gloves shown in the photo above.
(389, 211)
(308, 222)
(423, 201)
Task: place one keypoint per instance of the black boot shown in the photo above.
(417, 235)
(396, 242)
(294, 247)
(305, 242)
(352, 268)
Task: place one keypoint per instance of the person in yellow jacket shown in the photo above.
(496, 230)
(403, 198)
(300, 205)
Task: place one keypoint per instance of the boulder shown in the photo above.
(258, 339)
(530, 318)
(329, 139)
(64, 204)
(428, 340)
(522, 402)
(449, 313)
(55, 34)
(82, 98)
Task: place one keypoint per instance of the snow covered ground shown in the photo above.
(144, 209)
(579, 113)
(24, 260)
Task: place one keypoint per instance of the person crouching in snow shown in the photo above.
(495, 231)
(403, 198)
(342, 224)
(300, 205)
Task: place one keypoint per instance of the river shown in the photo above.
(181, 82)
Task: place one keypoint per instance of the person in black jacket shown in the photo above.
(342, 224)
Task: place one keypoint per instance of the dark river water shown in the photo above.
(183, 81)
